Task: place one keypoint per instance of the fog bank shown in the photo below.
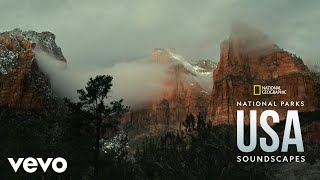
(135, 81)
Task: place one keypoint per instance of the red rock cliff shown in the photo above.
(184, 93)
(249, 57)
(22, 84)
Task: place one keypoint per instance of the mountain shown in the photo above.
(250, 58)
(187, 90)
(22, 84)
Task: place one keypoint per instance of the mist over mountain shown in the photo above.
(136, 81)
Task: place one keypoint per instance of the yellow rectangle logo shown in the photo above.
(257, 90)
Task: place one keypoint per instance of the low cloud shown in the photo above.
(136, 82)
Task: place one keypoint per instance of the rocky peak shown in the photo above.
(246, 42)
(169, 56)
(162, 55)
(22, 84)
(44, 40)
(247, 49)
(249, 57)
(183, 93)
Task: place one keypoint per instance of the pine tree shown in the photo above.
(93, 102)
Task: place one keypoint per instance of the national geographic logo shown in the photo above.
(259, 89)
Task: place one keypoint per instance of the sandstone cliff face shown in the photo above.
(183, 94)
(22, 84)
(247, 58)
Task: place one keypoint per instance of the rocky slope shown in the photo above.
(185, 92)
(22, 84)
(248, 58)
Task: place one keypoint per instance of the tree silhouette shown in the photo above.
(93, 102)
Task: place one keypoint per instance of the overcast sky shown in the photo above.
(101, 32)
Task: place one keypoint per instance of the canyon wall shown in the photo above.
(250, 58)
(22, 84)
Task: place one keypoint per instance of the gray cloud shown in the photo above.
(103, 32)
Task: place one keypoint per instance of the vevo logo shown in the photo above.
(30, 165)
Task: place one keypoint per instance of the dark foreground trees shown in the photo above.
(93, 103)
(201, 151)
(71, 132)
(30, 134)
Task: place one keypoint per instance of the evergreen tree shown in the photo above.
(93, 102)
